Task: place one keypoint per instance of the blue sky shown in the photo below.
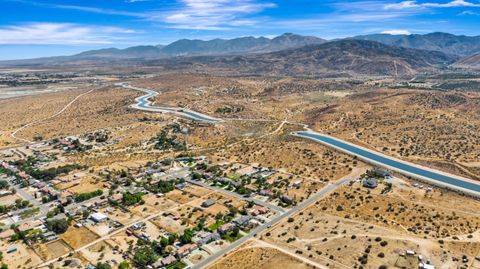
(35, 28)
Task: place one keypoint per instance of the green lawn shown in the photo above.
(177, 265)
(231, 238)
(29, 213)
(216, 225)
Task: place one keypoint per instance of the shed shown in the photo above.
(208, 203)
(370, 183)
(98, 217)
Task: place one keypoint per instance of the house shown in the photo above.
(381, 173)
(267, 193)
(227, 227)
(286, 199)
(208, 203)
(370, 183)
(251, 188)
(184, 250)
(247, 171)
(203, 238)
(29, 225)
(98, 217)
(165, 262)
(180, 186)
(296, 184)
(228, 181)
(258, 210)
(23, 175)
(242, 220)
(252, 224)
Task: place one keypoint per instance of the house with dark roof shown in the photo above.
(370, 183)
(208, 203)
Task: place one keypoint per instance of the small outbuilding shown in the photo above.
(208, 203)
(370, 183)
(98, 217)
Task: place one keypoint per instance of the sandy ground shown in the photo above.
(101, 252)
(23, 257)
(52, 249)
(78, 237)
(264, 258)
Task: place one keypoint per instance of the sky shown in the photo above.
(40, 28)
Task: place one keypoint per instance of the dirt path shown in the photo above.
(14, 133)
(260, 243)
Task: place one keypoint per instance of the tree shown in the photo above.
(144, 256)
(235, 232)
(187, 236)
(172, 238)
(87, 195)
(164, 242)
(131, 199)
(124, 265)
(103, 266)
(4, 184)
(59, 226)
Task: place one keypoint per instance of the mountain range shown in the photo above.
(188, 47)
(447, 43)
(337, 58)
(290, 53)
(472, 61)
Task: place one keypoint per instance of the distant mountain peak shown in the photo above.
(438, 41)
(217, 46)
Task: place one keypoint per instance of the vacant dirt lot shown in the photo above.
(23, 257)
(52, 249)
(261, 258)
(401, 213)
(78, 237)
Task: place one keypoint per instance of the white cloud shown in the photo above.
(414, 4)
(396, 32)
(186, 14)
(455, 3)
(211, 14)
(60, 33)
(469, 12)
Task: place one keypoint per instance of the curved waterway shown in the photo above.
(416, 171)
(431, 176)
(144, 103)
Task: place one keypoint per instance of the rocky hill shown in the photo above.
(189, 47)
(339, 58)
(444, 42)
(472, 61)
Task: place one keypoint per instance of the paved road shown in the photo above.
(436, 177)
(326, 190)
(26, 196)
(44, 208)
(259, 202)
(122, 229)
(431, 176)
